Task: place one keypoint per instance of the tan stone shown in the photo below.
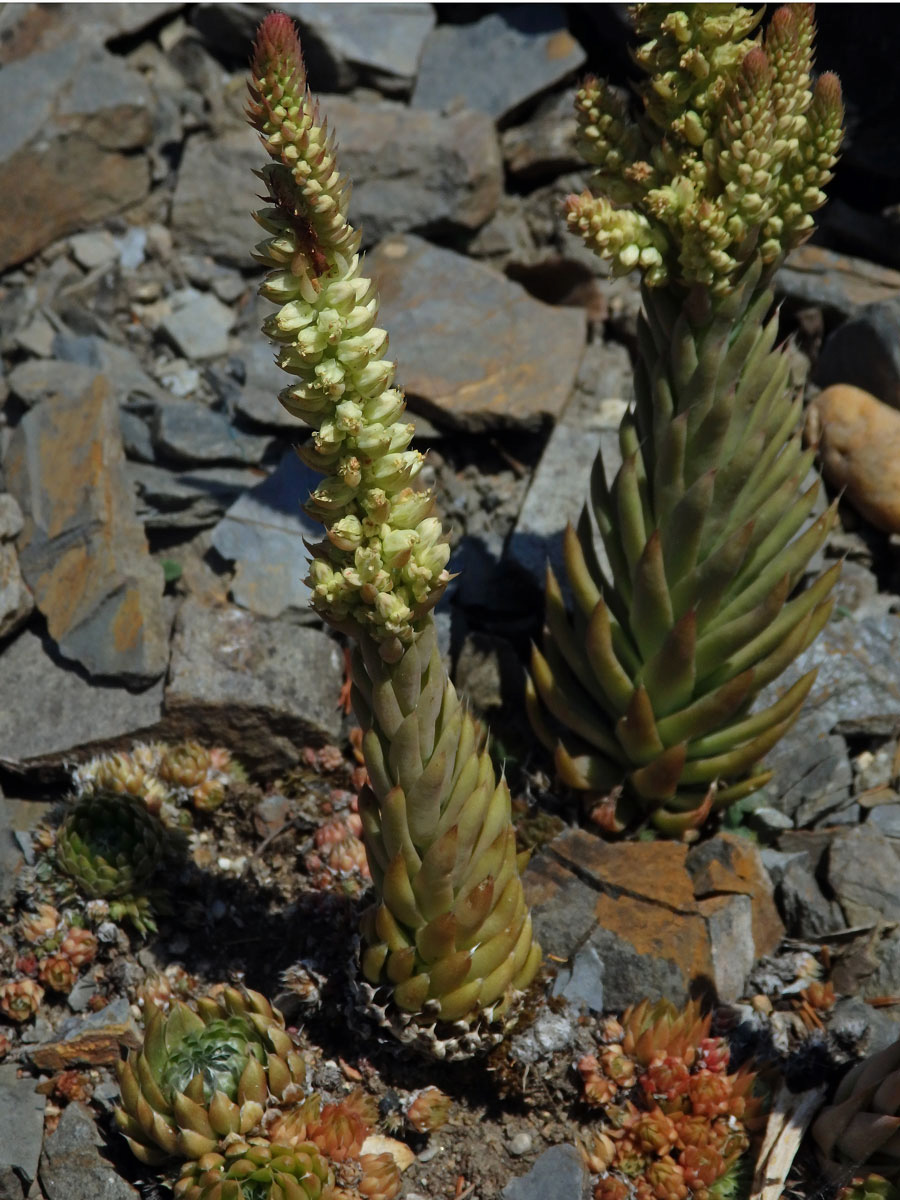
(858, 442)
(663, 919)
(82, 550)
(93, 1048)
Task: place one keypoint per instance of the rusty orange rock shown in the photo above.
(858, 441)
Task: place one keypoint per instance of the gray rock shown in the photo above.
(806, 911)
(556, 497)
(263, 532)
(93, 23)
(11, 858)
(198, 325)
(499, 62)
(865, 352)
(352, 45)
(82, 552)
(187, 432)
(544, 146)
(559, 1174)
(266, 686)
(71, 115)
(519, 359)
(768, 821)
(16, 601)
(36, 337)
(10, 1185)
(21, 1123)
(869, 1029)
(547, 1035)
(835, 282)
(862, 874)
(136, 440)
(38, 379)
(57, 708)
(180, 378)
(254, 394)
(416, 171)
(885, 979)
(886, 819)
(191, 499)
(129, 381)
(222, 168)
(94, 249)
(381, 47)
(71, 1164)
(855, 692)
(580, 982)
(11, 519)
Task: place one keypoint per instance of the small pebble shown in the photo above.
(521, 1144)
(430, 1152)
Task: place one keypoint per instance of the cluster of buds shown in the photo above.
(338, 853)
(223, 1088)
(428, 1110)
(732, 156)
(381, 567)
(675, 1122)
(54, 953)
(170, 780)
(20, 999)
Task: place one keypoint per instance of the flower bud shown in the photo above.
(398, 545)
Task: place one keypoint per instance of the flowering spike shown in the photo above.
(377, 574)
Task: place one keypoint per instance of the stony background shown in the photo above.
(150, 533)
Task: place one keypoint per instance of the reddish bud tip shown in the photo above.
(276, 42)
(828, 92)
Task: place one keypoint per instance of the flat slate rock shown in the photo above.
(185, 431)
(474, 350)
(198, 325)
(343, 46)
(82, 551)
(71, 1164)
(262, 534)
(220, 168)
(190, 499)
(559, 1174)
(816, 276)
(499, 62)
(57, 709)
(21, 1122)
(73, 115)
(416, 170)
(266, 687)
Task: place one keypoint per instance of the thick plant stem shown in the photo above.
(451, 933)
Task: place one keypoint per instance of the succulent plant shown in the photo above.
(20, 999)
(869, 1187)
(58, 973)
(110, 846)
(428, 1110)
(448, 944)
(643, 693)
(40, 926)
(79, 946)
(675, 1123)
(861, 1125)
(164, 777)
(204, 1078)
(340, 1133)
(257, 1172)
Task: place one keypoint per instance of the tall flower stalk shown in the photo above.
(644, 692)
(448, 943)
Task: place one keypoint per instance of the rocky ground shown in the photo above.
(151, 550)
